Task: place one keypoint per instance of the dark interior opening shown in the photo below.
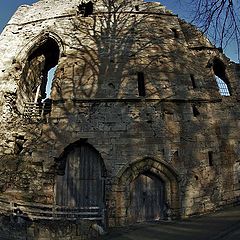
(219, 69)
(141, 84)
(175, 32)
(210, 158)
(39, 63)
(195, 111)
(19, 142)
(193, 81)
(86, 8)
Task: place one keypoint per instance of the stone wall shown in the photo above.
(182, 130)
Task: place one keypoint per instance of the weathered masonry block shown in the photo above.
(138, 123)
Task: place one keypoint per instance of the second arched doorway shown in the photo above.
(146, 190)
(147, 198)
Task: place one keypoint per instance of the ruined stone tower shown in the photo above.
(141, 122)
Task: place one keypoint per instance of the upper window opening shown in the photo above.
(36, 79)
(37, 72)
(193, 81)
(195, 111)
(221, 78)
(137, 8)
(175, 32)
(86, 8)
(141, 84)
(210, 158)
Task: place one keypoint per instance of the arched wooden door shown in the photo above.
(146, 198)
(82, 185)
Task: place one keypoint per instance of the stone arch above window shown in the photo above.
(37, 41)
(43, 55)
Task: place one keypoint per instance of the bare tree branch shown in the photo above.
(219, 19)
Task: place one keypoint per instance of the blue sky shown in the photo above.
(8, 7)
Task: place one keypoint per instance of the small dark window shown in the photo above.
(193, 81)
(175, 157)
(195, 111)
(86, 9)
(137, 8)
(210, 158)
(175, 32)
(141, 84)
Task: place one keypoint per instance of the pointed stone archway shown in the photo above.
(80, 179)
(143, 190)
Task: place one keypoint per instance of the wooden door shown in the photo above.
(146, 198)
(82, 185)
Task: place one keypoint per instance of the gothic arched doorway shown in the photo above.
(147, 197)
(145, 189)
(81, 184)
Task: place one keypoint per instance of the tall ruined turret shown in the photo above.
(139, 122)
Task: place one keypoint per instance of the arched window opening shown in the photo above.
(221, 78)
(46, 56)
(38, 75)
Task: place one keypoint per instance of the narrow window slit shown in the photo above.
(210, 158)
(175, 32)
(193, 81)
(141, 84)
(195, 111)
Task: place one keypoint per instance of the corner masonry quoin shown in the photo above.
(141, 122)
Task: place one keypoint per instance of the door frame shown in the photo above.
(162, 201)
(60, 164)
(158, 167)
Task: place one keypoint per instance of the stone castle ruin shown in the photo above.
(141, 122)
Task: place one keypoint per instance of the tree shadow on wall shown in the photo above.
(106, 51)
(105, 48)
